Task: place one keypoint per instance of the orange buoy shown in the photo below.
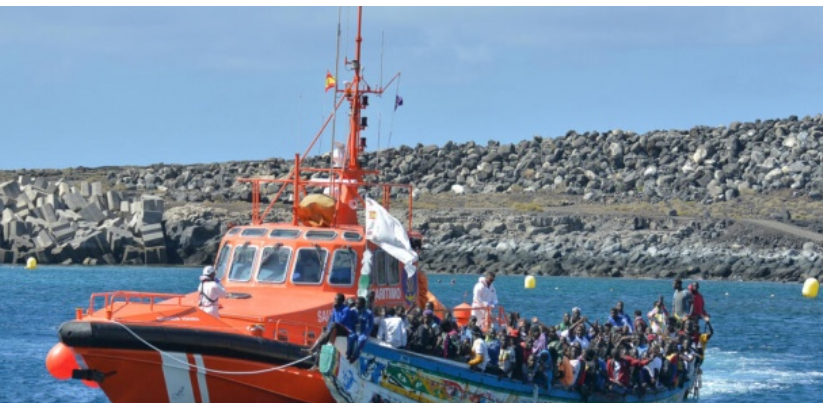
(60, 362)
(462, 313)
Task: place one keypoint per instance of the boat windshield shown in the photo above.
(342, 267)
(222, 260)
(309, 266)
(274, 263)
(241, 263)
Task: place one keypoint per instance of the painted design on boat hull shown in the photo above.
(383, 374)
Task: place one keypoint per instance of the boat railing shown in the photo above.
(300, 186)
(303, 334)
(127, 297)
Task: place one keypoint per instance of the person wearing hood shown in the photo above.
(210, 291)
(485, 296)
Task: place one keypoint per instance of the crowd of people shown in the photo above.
(658, 350)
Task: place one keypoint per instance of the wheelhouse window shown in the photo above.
(234, 231)
(241, 263)
(385, 268)
(352, 236)
(222, 260)
(274, 263)
(284, 233)
(342, 267)
(309, 266)
(254, 232)
(321, 235)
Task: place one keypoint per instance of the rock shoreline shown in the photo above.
(172, 214)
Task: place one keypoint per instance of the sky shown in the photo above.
(104, 86)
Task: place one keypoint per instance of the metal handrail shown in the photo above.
(110, 297)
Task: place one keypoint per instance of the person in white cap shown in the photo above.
(210, 292)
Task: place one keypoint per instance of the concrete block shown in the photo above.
(136, 222)
(63, 189)
(92, 213)
(22, 213)
(69, 215)
(46, 212)
(2, 236)
(97, 189)
(108, 259)
(21, 242)
(156, 255)
(24, 201)
(40, 183)
(90, 245)
(85, 189)
(54, 201)
(8, 256)
(10, 189)
(74, 201)
(133, 255)
(15, 228)
(25, 180)
(44, 240)
(31, 193)
(125, 207)
(152, 235)
(63, 232)
(152, 217)
(136, 207)
(3, 202)
(152, 203)
(43, 256)
(8, 215)
(52, 187)
(35, 223)
(100, 202)
(113, 200)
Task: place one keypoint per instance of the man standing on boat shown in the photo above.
(362, 330)
(682, 300)
(210, 292)
(485, 297)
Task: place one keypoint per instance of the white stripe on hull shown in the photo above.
(176, 375)
(201, 379)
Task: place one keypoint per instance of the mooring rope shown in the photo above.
(204, 369)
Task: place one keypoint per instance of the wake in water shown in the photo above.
(729, 375)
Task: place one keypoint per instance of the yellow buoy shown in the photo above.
(810, 288)
(31, 263)
(530, 282)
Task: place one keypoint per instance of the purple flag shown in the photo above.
(398, 101)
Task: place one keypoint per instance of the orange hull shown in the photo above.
(148, 376)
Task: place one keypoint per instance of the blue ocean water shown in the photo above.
(767, 344)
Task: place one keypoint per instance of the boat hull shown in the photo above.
(384, 374)
(228, 371)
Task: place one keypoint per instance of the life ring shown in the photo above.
(353, 204)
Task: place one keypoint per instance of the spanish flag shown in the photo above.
(330, 81)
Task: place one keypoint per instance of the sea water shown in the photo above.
(767, 346)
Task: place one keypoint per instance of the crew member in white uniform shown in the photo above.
(485, 296)
(210, 292)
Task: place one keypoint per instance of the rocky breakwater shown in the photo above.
(704, 164)
(595, 245)
(57, 222)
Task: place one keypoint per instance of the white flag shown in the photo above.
(387, 233)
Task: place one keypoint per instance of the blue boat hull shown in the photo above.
(385, 374)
